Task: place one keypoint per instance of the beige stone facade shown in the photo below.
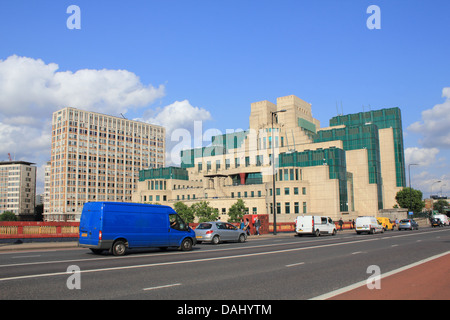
(315, 172)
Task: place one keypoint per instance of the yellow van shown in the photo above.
(386, 222)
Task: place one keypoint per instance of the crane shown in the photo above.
(9, 156)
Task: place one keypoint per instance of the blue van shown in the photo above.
(116, 226)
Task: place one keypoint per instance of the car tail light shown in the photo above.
(209, 232)
(100, 235)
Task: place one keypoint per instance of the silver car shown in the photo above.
(408, 224)
(217, 231)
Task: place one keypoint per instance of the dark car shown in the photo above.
(436, 222)
(408, 224)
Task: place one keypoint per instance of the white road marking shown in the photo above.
(364, 282)
(161, 287)
(294, 264)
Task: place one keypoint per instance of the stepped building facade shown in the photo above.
(353, 167)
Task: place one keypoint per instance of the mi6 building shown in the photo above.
(353, 167)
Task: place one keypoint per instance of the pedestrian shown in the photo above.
(247, 227)
(341, 223)
(353, 224)
(242, 224)
(257, 225)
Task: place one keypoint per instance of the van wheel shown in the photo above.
(119, 247)
(317, 233)
(334, 232)
(186, 245)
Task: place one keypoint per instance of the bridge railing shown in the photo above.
(28, 229)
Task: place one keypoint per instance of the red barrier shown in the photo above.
(33, 230)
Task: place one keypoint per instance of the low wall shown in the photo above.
(38, 230)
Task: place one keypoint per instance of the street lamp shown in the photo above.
(431, 191)
(410, 191)
(442, 185)
(273, 114)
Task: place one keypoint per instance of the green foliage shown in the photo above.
(185, 212)
(204, 212)
(8, 216)
(237, 211)
(440, 205)
(411, 199)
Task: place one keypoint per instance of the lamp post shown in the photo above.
(431, 191)
(410, 191)
(273, 114)
(442, 185)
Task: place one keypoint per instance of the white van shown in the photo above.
(368, 224)
(315, 225)
(442, 217)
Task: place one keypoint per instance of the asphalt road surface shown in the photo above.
(281, 267)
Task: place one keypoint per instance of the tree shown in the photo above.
(440, 205)
(411, 199)
(8, 216)
(204, 212)
(185, 212)
(237, 211)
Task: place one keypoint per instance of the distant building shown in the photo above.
(17, 187)
(353, 167)
(97, 157)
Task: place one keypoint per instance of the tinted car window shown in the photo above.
(204, 226)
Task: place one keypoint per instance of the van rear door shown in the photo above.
(90, 224)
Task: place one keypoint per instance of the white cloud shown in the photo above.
(434, 125)
(180, 114)
(30, 85)
(31, 90)
(421, 156)
(183, 123)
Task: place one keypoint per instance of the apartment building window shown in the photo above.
(287, 207)
(296, 208)
(295, 190)
(304, 207)
(227, 163)
(286, 191)
(304, 190)
(278, 207)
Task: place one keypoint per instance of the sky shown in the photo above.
(186, 64)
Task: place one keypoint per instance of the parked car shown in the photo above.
(216, 232)
(408, 224)
(369, 225)
(314, 225)
(386, 223)
(436, 222)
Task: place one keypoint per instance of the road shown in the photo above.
(281, 267)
